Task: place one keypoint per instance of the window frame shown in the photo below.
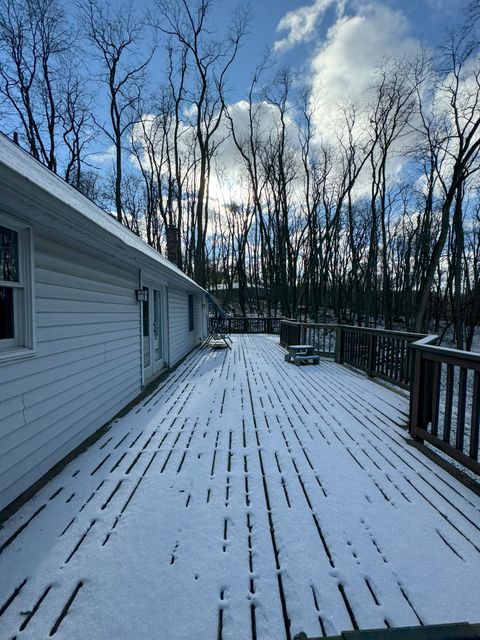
(23, 343)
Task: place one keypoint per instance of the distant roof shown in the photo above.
(20, 161)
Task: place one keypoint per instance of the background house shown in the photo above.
(88, 315)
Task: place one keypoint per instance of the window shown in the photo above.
(16, 300)
(191, 316)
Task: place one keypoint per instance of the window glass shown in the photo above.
(191, 317)
(6, 314)
(8, 255)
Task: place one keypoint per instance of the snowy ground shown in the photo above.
(247, 498)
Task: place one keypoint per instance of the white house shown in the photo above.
(78, 341)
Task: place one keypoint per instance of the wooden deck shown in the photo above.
(246, 498)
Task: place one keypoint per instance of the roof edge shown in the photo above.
(21, 162)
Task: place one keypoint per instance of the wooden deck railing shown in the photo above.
(444, 383)
(380, 353)
(445, 400)
(248, 325)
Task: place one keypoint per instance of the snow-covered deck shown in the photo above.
(246, 498)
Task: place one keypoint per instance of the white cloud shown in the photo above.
(344, 68)
(106, 156)
(300, 24)
(228, 162)
(227, 179)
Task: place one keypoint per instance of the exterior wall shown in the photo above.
(182, 340)
(86, 368)
(87, 364)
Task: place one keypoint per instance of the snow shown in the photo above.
(246, 497)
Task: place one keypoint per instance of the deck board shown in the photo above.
(245, 498)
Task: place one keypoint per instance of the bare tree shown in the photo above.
(116, 34)
(209, 61)
(77, 131)
(35, 40)
(453, 141)
(391, 114)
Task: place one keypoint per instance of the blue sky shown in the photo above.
(416, 21)
(333, 46)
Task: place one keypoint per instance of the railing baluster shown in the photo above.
(462, 395)
(372, 348)
(396, 351)
(382, 355)
(393, 358)
(447, 425)
(390, 357)
(382, 344)
(385, 356)
(408, 367)
(437, 374)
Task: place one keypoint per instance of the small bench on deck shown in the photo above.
(302, 354)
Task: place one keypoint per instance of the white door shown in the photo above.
(153, 331)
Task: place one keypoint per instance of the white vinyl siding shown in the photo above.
(182, 340)
(87, 364)
(84, 361)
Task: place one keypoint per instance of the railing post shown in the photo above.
(371, 355)
(413, 424)
(268, 328)
(339, 345)
(245, 325)
(302, 333)
(420, 394)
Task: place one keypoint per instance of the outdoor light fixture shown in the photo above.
(142, 295)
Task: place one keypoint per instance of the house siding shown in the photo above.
(182, 340)
(86, 368)
(87, 363)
